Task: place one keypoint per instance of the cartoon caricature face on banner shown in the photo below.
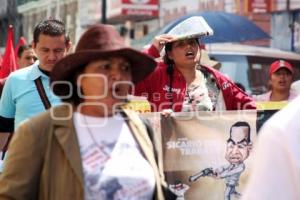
(208, 154)
(238, 147)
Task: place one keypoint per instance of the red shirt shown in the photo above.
(156, 88)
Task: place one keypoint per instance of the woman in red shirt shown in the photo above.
(177, 82)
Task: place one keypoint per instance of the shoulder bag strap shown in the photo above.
(42, 93)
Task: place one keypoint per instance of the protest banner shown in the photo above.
(206, 155)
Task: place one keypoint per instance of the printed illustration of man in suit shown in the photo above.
(237, 151)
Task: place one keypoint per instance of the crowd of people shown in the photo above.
(72, 138)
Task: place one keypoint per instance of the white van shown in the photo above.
(249, 65)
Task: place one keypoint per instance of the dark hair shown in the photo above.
(240, 124)
(168, 47)
(51, 27)
(72, 79)
(177, 181)
(22, 48)
(170, 66)
(241, 86)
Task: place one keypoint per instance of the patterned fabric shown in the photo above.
(113, 165)
(155, 88)
(213, 90)
(196, 96)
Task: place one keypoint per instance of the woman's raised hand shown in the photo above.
(160, 41)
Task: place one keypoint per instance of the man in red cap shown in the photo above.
(280, 79)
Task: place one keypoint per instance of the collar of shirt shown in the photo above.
(35, 72)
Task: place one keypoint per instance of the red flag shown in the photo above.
(21, 42)
(9, 63)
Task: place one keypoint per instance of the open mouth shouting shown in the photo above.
(190, 54)
(282, 83)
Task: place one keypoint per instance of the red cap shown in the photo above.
(280, 64)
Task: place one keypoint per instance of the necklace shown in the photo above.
(102, 148)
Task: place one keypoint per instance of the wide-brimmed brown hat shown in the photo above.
(99, 41)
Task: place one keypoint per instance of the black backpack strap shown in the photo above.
(42, 93)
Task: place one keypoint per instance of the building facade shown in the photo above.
(9, 16)
(286, 25)
(35, 11)
(140, 20)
